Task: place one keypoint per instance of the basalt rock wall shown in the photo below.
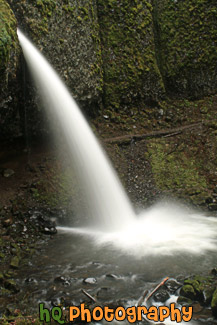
(112, 55)
(9, 69)
(186, 41)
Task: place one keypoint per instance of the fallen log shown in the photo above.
(126, 139)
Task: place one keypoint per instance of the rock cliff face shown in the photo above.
(131, 74)
(68, 35)
(9, 61)
(186, 38)
(111, 54)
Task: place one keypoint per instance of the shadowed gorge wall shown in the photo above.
(187, 41)
(9, 59)
(131, 75)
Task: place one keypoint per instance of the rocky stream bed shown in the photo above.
(36, 190)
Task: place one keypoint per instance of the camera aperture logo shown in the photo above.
(131, 314)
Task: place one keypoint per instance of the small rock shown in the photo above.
(184, 301)
(172, 285)
(8, 172)
(90, 281)
(214, 271)
(112, 276)
(30, 280)
(162, 295)
(188, 291)
(63, 280)
(15, 261)
(49, 231)
(208, 292)
(7, 222)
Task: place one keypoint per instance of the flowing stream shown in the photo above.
(166, 239)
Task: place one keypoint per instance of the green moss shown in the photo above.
(8, 36)
(55, 189)
(176, 170)
(78, 48)
(130, 70)
(194, 283)
(186, 40)
(46, 7)
(214, 303)
(188, 291)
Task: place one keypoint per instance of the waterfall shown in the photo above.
(107, 203)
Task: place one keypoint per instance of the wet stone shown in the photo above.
(214, 271)
(184, 301)
(49, 231)
(161, 295)
(112, 276)
(31, 280)
(62, 280)
(188, 292)
(90, 281)
(172, 285)
(208, 292)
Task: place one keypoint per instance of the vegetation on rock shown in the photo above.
(131, 74)
(186, 37)
(9, 59)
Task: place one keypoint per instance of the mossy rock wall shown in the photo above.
(186, 38)
(67, 33)
(9, 59)
(131, 75)
(112, 54)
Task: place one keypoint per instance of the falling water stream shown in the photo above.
(166, 239)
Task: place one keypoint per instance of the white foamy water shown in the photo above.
(106, 201)
(164, 229)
